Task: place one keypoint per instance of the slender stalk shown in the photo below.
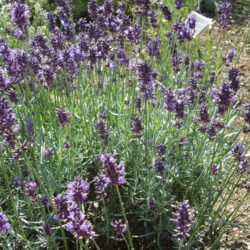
(125, 217)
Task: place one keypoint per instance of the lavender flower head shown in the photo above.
(191, 21)
(115, 172)
(214, 169)
(77, 190)
(178, 4)
(147, 76)
(5, 226)
(63, 116)
(101, 183)
(119, 227)
(161, 167)
(234, 78)
(137, 126)
(224, 12)
(230, 56)
(47, 229)
(238, 151)
(166, 12)
(247, 114)
(80, 226)
(170, 100)
(153, 48)
(161, 149)
(204, 115)
(102, 128)
(20, 15)
(31, 190)
(183, 218)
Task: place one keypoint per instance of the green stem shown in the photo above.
(125, 217)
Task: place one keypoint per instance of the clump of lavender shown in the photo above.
(102, 128)
(77, 190)
(137, 126)
(119, 226)
(147, 76)
(225, 12)
(5, 226)
(115, 172)
(153, 48)
(63, 116)
(166, 12)
(183, 219)
(230, 56)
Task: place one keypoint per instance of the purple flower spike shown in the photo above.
(183, 218)
(80, 226)
(230, 56)
(102, 182)
(178, 4)
(153, 18)
(47, 229)
(234, 78)
(147, 76)
(119, 227)
(63, 116)
(137, 126)
(5, 226)
(20, 15)
(161, 149)
(191, 21)
(225, 12)
(238, 151)
(77, 190)
(170, 100)
(161, 167)
(102, 128)
(115, 172)
(214, 169)
(166, 12)
(31, 190)
(204, 116)
(247, 114)
(154, 47)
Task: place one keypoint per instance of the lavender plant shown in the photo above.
(133, 85)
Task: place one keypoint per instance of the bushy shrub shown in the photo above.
(119, 132)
